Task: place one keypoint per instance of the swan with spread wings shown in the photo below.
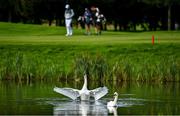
(84, 94)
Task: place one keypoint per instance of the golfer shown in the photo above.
(88, 20)
(69, 13)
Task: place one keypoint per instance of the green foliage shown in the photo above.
(95, 67)
(161, 2)
(126, 14)
(122, 56)
(82, 65)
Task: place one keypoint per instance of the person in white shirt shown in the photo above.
(68, 14)
(100, 19)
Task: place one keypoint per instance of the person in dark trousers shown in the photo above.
(100, 19)
(87, 20)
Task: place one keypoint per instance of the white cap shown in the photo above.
(97, 9)
(67, 6)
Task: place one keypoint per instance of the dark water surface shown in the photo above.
(29, 98)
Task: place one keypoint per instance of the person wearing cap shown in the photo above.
(100, 19)
(68, 14)
(96, 19)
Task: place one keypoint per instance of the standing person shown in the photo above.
(100, 19)
(68, 14)
(88, 20)
(95, 13)
(81, 22)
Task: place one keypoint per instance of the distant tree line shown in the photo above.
(123, 14)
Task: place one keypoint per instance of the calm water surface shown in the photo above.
(29, 98)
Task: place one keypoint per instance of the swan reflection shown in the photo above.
(80, 108)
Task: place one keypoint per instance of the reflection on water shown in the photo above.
(38, 98)
(80, 108)
(86, 108)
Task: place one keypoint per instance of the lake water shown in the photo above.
(29, 98)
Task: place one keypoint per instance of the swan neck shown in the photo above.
(116, 99)
(85, 83)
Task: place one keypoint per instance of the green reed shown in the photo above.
(22, 67)
(25, 67)
(95, 67)
(166, 69)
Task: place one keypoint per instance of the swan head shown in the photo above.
(115, 94)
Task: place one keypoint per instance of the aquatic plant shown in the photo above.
(22, 67)
(82, 65)
(94, 66)
(99, 67)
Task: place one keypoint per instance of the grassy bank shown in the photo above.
(40, 52)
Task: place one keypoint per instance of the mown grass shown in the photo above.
(33, 52)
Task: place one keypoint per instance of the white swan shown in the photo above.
(113, 103)
(84, 93)
(113, 110)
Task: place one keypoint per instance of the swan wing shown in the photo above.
(99, 92)
(69, 92)
(110, 104)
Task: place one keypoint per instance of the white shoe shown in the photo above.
(67, 34)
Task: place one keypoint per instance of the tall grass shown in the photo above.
(21, 67)
(95, 67)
